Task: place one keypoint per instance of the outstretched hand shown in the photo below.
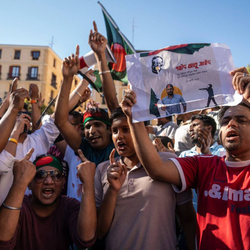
(71, 65)
(205, 140)
(33, 91)
(97, 41)
(40, 100)
(13, 88)
(116, 173)
(22, 123)
(17, 98)
(160, 147)
(241, 80)
(128, 101)
(24, 170)
(85, 96)
(86, 170)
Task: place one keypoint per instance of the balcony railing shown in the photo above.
(33, 77)
(11, 76)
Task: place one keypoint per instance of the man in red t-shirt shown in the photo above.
(223, 184)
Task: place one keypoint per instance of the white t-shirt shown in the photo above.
(74, 188)
(40, 140)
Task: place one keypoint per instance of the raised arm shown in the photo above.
(70, 67)
(146, 152)
(22, 123)
(87, 219)
(116, 174)
(5, 104)
(98, 44)
(35, 110)
(8, 120)
(81, 93)
(24, 171)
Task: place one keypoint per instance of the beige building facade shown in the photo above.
(31, 64)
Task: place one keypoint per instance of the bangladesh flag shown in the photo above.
(120, 47)
(188, 49)
(153, 104)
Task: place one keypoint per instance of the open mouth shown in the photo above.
(121, 146)
(232, 135)
(94, 138)
(47, 192)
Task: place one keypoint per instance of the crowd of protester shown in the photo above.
(96, 180)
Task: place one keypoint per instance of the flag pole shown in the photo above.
(45, 111)
(115, 25)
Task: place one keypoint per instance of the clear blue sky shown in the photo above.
(157, 23)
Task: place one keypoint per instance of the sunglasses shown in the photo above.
(41, 175)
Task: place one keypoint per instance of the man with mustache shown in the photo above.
(223, 183)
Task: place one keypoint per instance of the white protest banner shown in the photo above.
(180, 79)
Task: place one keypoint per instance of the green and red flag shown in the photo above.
(120, 46)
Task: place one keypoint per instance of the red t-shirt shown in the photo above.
(56, 231)
(223, 190)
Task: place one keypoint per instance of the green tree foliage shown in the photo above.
(50, 111)
(248, 68)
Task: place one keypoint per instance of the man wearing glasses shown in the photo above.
(44, 219)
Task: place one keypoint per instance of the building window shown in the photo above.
(51, 95)
(0, 71)
(32, 73)
(53, 81)
(17, 54)
(54, 63)
(14, 71)
(75, 82)
(35, 55)
(0, 53)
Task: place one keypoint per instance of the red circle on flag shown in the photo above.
(119, 54)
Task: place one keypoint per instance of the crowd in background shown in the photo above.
(96, 180)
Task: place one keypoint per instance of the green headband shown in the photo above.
(48, 161)
(90, 118)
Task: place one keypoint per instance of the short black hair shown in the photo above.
(225, 108)
(207, 120)
(165, 140)
(116, 113)
(77, 116)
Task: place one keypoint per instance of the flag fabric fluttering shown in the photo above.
(120, 46)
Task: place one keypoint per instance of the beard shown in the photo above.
(232, 147)
(196, 141)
